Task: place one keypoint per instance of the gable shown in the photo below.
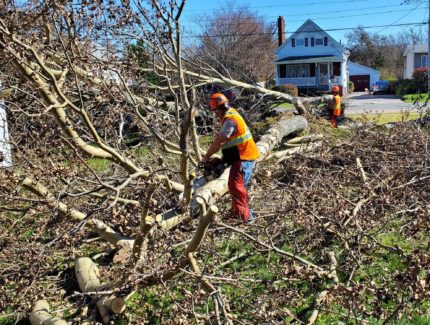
(310, 39)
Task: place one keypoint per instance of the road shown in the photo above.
(359, 103)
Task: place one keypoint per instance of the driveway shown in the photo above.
(361, 102)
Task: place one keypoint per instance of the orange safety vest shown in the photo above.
(336, 109)
(240, 145)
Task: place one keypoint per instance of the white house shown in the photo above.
(310, 59)
(5, 154)
(363, 77)
(415, 56)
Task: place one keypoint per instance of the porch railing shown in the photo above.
(308, 81)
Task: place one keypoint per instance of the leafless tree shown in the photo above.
(237, 40)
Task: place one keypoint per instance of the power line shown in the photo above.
(314, 13)
(337, 17)
(309, 31)
(277, 6)
(397, 20)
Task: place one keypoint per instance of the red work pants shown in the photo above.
(333, 120)
(236, 186)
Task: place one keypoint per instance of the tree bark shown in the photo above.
(40, 315)
(88, 277)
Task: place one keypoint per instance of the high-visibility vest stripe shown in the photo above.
(238, 140)
(242, 139)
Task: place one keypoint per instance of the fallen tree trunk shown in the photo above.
(268, 141)
(40, 315)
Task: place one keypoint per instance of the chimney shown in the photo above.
(281, 31)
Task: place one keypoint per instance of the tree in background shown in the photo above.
(381, 52)
(238, 40)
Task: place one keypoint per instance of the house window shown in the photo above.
(306, 42)
(424, 60)
(325, 41)
(293, 42)
(298, 71)
(282, 71)
(318, 41)
(312, 41)
(300, 42)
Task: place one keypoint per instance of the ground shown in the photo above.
(361, 102)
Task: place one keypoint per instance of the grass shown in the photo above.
(384, 118)
(283, 105)
(412, 98)
(99, 164)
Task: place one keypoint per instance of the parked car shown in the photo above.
(381, 86)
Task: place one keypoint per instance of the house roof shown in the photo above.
(416, 48)
(310, 25)
(309, 59)
(361, 67)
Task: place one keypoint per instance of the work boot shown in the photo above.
(250, 219)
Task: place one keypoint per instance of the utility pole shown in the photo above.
(428, 49)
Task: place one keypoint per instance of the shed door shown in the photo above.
(360, 82)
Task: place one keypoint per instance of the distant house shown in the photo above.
(5, 153)
(312, 60)
(415, 56)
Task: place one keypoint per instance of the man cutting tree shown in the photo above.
(238, 151)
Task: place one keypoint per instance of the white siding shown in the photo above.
(409, 57)
(409, 70)
(287, 50)
(4, 138)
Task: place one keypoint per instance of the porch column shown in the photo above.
(344, 75)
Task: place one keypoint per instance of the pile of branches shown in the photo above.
(341, 236)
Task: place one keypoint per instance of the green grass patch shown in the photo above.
(384, 118)
(283, 105)
(99, 164)
(7, 320)
(412, 98)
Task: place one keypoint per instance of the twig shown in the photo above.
(360, 167)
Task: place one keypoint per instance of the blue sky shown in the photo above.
(328, 14)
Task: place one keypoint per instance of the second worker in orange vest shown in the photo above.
(335, 106)
(238, 150)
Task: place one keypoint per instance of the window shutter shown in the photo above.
(306, 42)
(312, 41)
(325, 41)
(293, 42)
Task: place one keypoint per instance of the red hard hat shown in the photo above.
(216, 100)
(335, 88)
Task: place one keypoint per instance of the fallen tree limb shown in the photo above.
(304, 139)
(284, 154)
(98, 226)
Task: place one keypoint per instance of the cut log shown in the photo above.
(88, 277)
(40, 315)
(107, 305)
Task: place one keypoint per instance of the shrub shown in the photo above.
(287, 89)
(420, 78)
(403, 87)
(351, 86)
